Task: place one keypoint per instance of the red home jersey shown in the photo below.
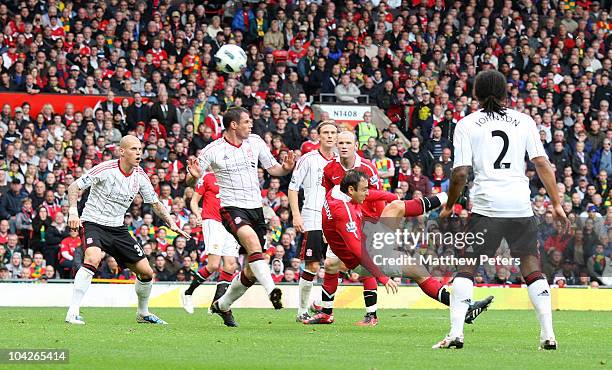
(334, 172)
(342, 227)
(209, 190)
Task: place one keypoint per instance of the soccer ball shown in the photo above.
(230, 58)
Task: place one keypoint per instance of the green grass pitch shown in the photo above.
(268, 339)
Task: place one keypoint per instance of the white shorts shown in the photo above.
(217, 240)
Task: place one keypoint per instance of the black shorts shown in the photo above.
(313, 248)
(233, 218)
(520, 234)
(116, 241)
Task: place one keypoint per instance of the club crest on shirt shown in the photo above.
(351, 227)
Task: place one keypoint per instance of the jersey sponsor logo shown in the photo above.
(351, 226)
(327, 210)
(87, 180)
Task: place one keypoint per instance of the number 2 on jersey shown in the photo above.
(497, 164)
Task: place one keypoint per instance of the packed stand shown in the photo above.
(416, 60)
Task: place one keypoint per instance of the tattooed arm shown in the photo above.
(163, 213)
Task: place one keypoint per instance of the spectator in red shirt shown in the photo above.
(66, 254)
(559, 240)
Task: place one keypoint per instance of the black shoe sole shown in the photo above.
(275, 297)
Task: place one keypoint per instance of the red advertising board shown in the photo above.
(58, 101)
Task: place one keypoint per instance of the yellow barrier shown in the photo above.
(407, 297)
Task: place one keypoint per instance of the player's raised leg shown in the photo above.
(82, 281)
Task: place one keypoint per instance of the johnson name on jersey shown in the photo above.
(495, 146)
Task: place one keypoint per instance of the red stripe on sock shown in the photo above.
(369, 283)
(431, 287)
(245, 280)
(257, 256)
(225, 276)
(534, 276)
(307, 275)
(204, 272)
(413, 207)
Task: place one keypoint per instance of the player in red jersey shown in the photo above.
(333, 175)
(343, 220)
(219, 244)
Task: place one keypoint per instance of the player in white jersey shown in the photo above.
(114, 184)
(493, 141)
(308, 175)
(234, 158)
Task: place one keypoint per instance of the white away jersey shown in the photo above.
(495, 147)
(308, 174)
(236, 169)
(112, 192)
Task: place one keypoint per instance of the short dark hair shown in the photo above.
(490, 89)
(233, 115)
(352, 178)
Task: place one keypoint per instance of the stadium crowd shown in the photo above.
(152, 62)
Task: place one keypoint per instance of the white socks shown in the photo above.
(261, 270)
(143, 291)
(235, 291)
(305, 286)
(82, 281)
(539, 294)
(460, 300)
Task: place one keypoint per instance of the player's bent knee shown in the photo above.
(93, 256)
(313, 266)
(332, 265)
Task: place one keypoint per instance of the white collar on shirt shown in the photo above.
(337, 194)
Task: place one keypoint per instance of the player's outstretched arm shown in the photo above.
(284, 169)
(547, 175)
(195, 206)
(194, 171)
(73, 214)
(162, 212)
(457, 183)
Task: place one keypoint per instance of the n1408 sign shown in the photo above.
(347, 114)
